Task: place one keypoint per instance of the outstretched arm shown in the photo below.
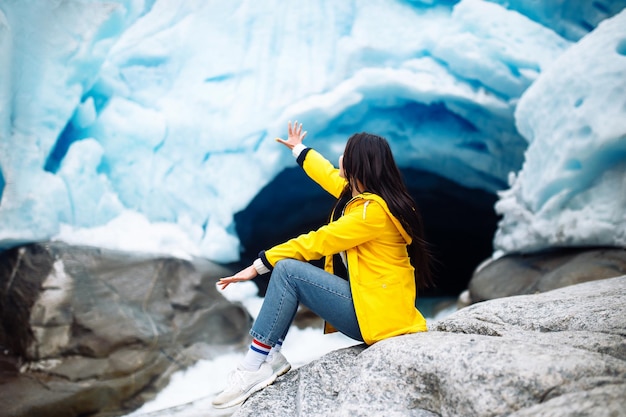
(318, 168)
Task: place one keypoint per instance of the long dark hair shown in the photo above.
(368, 159)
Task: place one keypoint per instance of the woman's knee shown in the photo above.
(284, 266)
(280, 271)
(284, 270)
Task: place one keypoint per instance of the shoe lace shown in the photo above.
(236, 379)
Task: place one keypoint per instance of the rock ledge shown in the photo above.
(558, 353)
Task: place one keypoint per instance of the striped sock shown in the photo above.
(257, 354)
(275, 348)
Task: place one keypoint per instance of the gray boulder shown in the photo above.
(558, 353)
(544, 271)
(87, 330)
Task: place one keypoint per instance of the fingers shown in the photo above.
(225, 282)
(295, 135)
(295, 130)
(284, 142)
(243, 275)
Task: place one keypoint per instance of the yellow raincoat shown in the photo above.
(375, 243)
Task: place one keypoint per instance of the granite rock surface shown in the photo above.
(558, 353)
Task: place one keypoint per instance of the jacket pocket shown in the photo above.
(385, 308)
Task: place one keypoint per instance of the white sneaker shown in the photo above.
(279, 363)
(242, 384)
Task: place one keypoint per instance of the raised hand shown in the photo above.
(296, 135)
(243, 275)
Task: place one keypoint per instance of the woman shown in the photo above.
(375, 235)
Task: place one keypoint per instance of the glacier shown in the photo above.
(149, 125)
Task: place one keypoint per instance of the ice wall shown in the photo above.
(146, 125)
(51, 54)
(571, 190)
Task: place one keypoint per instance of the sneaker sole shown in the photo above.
(248, 393)
(282, 371)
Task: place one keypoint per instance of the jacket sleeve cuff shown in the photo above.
(263, 261)
(297, 150)
(260, 267)
(302, 156)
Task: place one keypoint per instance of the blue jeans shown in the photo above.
(294, 282)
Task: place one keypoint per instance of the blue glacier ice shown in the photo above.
(571, 190)
(148, 125)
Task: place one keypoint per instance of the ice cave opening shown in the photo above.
(459, 222)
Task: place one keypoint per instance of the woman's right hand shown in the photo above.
(243, 275)
(296, 135)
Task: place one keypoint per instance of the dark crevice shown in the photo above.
(2, 185)
(72, 133)
(62, 145)
(589, 27)
(601, 7)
